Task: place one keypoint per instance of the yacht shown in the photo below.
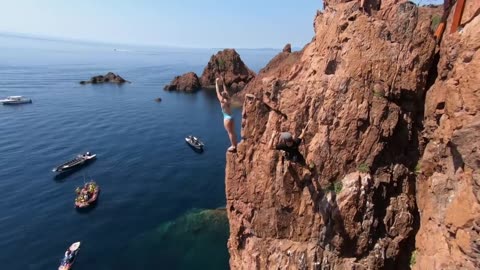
(13, 100)
(77, 162)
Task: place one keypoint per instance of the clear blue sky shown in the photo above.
(185, 23)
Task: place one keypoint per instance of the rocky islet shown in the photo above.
(110, 77)
(226, 63)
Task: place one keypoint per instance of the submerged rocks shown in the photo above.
(187, 242)
(226, 63)
(188, 82)
(110, 77)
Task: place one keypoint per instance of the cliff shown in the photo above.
(361, 84)
(448, 186)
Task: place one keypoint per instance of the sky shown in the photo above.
(179, 23)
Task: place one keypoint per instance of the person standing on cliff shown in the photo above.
(225, 103)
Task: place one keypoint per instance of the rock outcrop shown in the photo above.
(448, 186)
(229, 64)
(110, 77)
(287, 48)
(360, 84)
(188, 82)
(226, 63)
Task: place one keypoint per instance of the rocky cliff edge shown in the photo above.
(361, 84)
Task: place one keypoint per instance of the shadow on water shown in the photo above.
(61, 177)
(194, 241)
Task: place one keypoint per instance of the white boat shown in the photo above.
(13, 100)
(70, 256)
(77, 162)
(194, 142)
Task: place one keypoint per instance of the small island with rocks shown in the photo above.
(188, 82)
(110, 77)
(226, 63)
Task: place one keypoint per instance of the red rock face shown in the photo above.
(188, 82)
(360, 84)
(229, 64)
(287, 48)
(449, 184)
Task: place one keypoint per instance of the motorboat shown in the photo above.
(79, 161)
(87, 195)
(14, 100)
(194, 142)
(70, 256)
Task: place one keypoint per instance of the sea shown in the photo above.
(161, 205)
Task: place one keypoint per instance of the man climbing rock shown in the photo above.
(289, 145)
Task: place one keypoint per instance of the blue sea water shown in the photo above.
(151, 181)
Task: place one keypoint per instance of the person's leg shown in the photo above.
(230, 128)
(231, 133)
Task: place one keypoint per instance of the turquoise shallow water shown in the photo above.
(150, 178)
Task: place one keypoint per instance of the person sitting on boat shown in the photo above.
(91, 188)
(68, 256)
(85, 195)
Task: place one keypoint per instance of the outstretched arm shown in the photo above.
(218, 90)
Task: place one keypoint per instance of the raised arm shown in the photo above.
(219, 96)
(303, 131)
(272, 140)
(224, 85)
